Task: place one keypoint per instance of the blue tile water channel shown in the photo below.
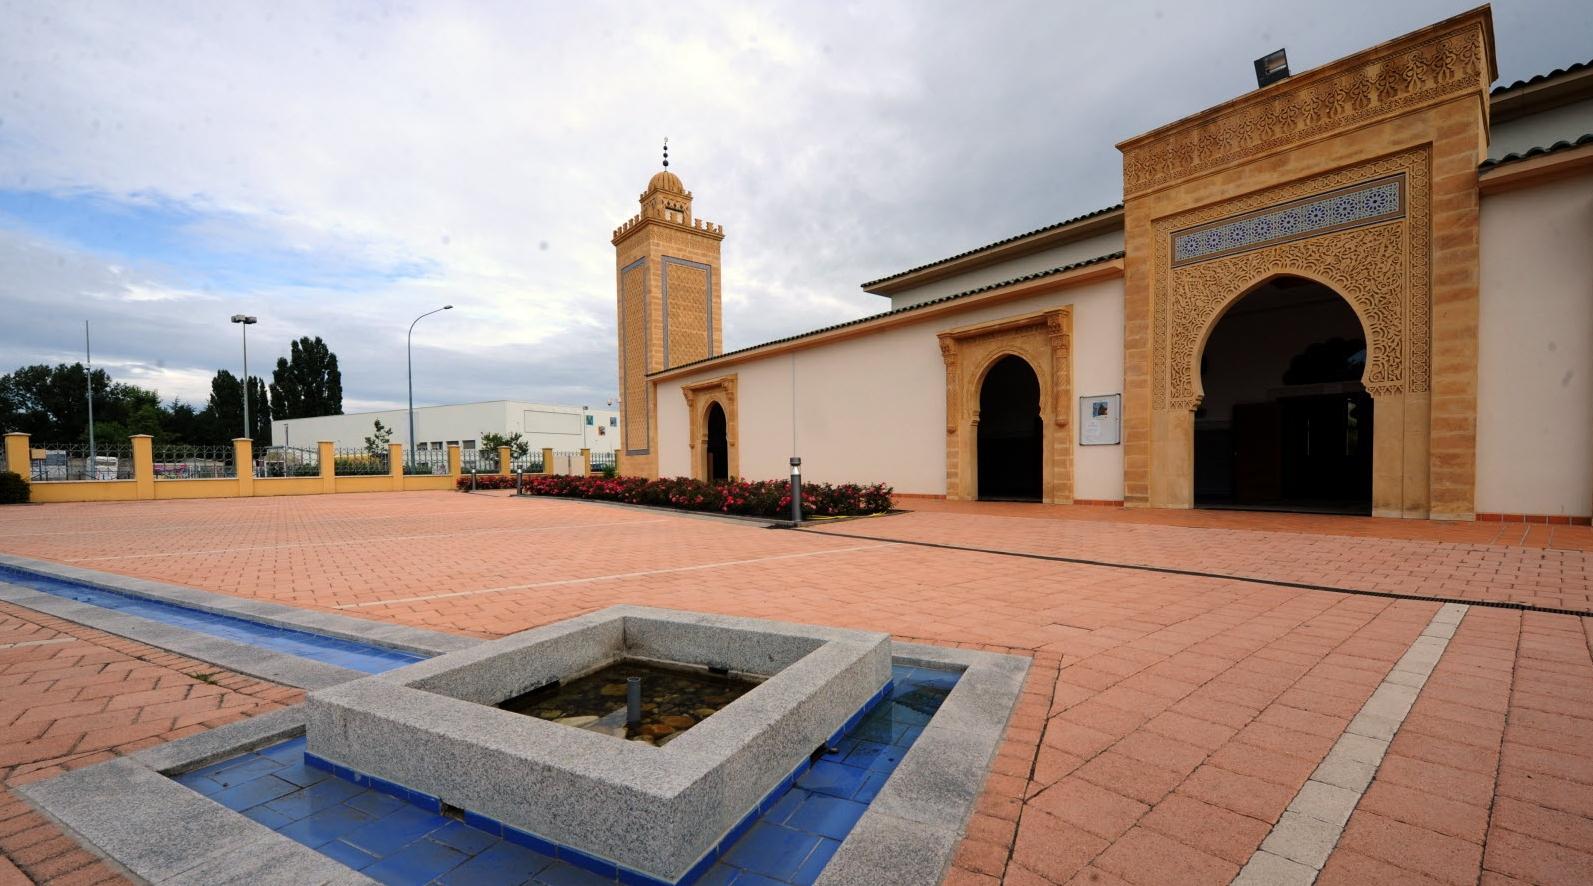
(364, 657)
(402, 841)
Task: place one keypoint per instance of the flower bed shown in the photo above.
(759, 498)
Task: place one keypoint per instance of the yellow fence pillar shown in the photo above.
(18, 460)
(547, 459)
(504, 461)
(395, 465)
(455, 462)
(328, 456)
(586, 462)
(144, 465)
(243, 465)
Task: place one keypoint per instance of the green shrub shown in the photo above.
(13, 489)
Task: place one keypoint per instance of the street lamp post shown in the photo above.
(247, 321)
(583, 425)
(409, 356)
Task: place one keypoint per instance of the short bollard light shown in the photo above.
(796, 489)
(472, 479)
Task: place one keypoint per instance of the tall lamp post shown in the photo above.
(247, 321)
(409, 356)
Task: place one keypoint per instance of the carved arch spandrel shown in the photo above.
(1365, 267)
(1043, 340)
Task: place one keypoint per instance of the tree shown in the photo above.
(518, 445)
(185, 424)
(50, 403)
(381, 436)
(259, 412)
(307, 382)
(226, 408)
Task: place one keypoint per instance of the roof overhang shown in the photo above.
(1537, 167)
(1541, 93)
(1016, 247)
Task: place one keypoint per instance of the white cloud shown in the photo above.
(483, 153)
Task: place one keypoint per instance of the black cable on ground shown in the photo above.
(1194, 573)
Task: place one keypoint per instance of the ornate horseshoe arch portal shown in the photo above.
(1043, 340)
(1378, 264)
(1360, 175)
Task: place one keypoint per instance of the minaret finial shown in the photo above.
(666, 152)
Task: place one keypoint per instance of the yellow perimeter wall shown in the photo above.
(144, 486)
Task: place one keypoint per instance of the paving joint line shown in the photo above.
(1196, 573)
(1305, 836)
(360, 541)
(560, 582)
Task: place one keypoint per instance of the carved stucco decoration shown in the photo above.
(1382, 270)
(1043, 340)
(1365, 266)
(699, 396)
(1448, 63)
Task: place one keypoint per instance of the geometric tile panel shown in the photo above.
(1356, 205)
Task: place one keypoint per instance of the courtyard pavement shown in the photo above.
(1193, 697)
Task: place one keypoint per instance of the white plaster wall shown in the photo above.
(873, 408)
(1535, 354)
(1097, 369)
(1565, 123)
(1055, 257)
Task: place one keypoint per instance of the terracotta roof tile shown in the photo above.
(1562, 145)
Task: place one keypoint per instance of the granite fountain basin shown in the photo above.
(435, 727)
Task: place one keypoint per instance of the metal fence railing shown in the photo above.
(72, 461)
(529, 463)
(359, 462)
(194, 462)
(602, 461)
(478, 461)
(287, 461)
(426, 461)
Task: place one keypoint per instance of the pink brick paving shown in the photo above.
(71, 696)
(1168, 719)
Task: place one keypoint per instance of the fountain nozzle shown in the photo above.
(633, 701)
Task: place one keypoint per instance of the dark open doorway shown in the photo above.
(718, 452)
(1010, 433)
(1285, 423)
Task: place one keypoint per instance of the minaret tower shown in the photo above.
(668, 306)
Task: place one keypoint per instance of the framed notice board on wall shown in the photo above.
(1101, 420)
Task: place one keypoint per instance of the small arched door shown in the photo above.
(1011, 433)
(718, 451)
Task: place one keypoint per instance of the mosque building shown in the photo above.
(1366, 288)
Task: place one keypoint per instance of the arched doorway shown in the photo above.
(718, 451)
(1011, 433)
(1285, 423)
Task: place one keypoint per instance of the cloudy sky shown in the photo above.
(337, 169)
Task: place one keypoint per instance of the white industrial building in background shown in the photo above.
(562, 428)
